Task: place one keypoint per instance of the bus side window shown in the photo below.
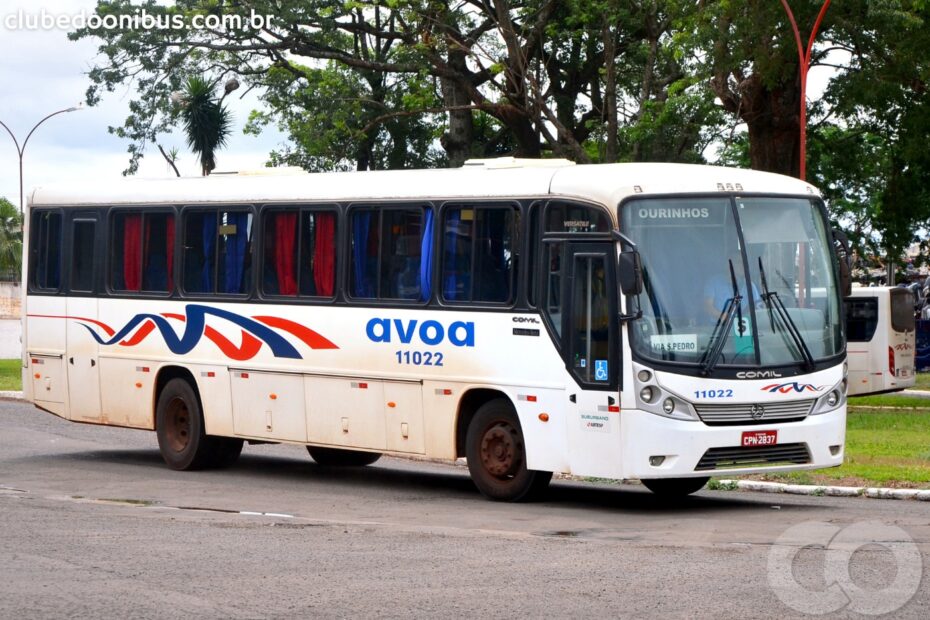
(478, 260)
(299, 253)
(217, 252)
(82, 255)
(552, 261)
(531, 260)
(142, 252)
(46, 247)
(861, 318)
(389, 246)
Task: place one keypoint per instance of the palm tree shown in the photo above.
(11, 239)
(207, 122)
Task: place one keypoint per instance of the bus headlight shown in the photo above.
(644, 376)
(668, 406)
(831, 400)
(647, 394)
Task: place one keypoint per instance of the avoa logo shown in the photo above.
(459, 333)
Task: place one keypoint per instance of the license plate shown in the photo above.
(752, 439)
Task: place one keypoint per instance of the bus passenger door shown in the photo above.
(584, 297)
(82, 349)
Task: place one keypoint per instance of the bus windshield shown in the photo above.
(734, 281)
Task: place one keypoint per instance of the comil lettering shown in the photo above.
(432, 333)
(685, 213)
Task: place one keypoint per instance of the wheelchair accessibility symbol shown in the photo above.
(600, 370)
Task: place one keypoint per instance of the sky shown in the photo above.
(41, 71)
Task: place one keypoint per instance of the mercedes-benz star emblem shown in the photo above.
(757, 411)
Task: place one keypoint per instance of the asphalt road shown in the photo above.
(92, 524)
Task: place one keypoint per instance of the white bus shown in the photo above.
(533, 317)
(881, 340)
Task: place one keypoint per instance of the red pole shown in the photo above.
(804, 61)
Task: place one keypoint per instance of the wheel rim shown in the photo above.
(501, 450)
(178, 425)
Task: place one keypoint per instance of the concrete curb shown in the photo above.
(758, 486)
(10, 395)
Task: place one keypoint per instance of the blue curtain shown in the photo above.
(209, 255)
(362, 286)
(235, 252)
(426, 258)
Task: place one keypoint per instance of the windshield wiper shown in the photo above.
(774, 302)
(718, 337)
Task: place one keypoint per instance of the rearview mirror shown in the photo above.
(630, 273)
(844, 256)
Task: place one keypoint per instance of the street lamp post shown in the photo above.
(22, 149)
(804, 63)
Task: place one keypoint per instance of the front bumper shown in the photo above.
(683, 444)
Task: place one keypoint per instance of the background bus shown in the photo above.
(644, 321)
(880, 334)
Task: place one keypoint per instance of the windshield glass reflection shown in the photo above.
(695, 267)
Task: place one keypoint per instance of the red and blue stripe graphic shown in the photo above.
(256, 331)
(785, 388)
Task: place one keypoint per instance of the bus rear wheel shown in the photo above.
(496, 455)
(332, 457)
(675, 487)
(181, 438)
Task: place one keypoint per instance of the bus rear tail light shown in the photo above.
(891, 361)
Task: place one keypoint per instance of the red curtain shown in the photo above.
(132, 252)
(169, 251)
(285, 238)
(324, 254)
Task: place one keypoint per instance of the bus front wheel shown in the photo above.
(180, 430)
(332, 457)
(496, 455)
(675, 487)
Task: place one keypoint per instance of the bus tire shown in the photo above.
(333, 457)
(675, 487)
(496, 455)
(181, 439)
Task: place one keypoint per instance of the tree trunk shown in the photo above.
(773, 122)
(457, 141)
(610, 93)
(772, 119)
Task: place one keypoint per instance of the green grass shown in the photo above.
(890, 400)
(883, 448)
(923, 381)
(11, 376)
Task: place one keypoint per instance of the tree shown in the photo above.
(872, 155)
(394, 78)
(205, 119)
(11, 238)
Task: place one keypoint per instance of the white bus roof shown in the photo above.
(607, 184)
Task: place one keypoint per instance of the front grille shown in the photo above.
(722, 415)
(728, 458)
